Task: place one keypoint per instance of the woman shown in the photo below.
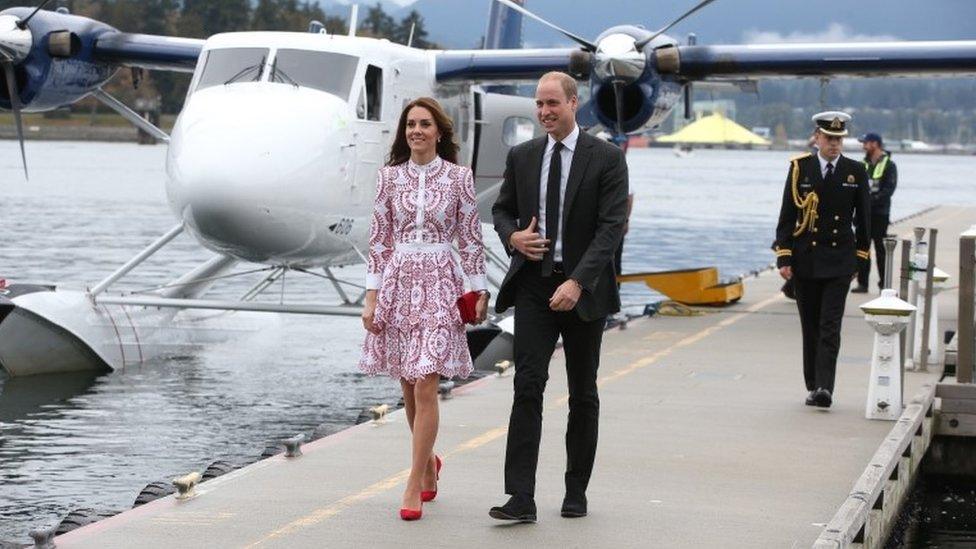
(424, 200)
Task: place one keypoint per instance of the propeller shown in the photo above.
(643, 42)
(22, 25)
(15, 45)
(618, 58)
(8, 72)
(587, 45)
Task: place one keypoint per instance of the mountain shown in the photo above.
(461, 23)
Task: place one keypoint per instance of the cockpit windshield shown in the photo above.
(229, 65)
(323, 70)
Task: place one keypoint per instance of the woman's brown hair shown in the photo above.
(446, 147)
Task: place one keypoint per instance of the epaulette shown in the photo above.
(801, 156)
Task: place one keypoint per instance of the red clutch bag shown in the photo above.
(466, 305)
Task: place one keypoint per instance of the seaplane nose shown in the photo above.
(245, 159)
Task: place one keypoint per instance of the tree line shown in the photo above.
(938, 111)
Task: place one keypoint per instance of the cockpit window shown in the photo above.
(229, 65)
(323, 70)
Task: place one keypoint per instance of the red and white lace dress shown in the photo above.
(419, 212)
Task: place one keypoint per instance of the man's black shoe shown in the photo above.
(859, 290)
(574, 506)
(810, 400)
(822, 398)
(517, 509)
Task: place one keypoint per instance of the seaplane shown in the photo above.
(273, 158)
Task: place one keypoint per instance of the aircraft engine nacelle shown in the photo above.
(52, 58)
(622, 75)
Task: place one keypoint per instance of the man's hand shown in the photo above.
(566, 296)
(369, 312)
(529, 243)
(786, 272)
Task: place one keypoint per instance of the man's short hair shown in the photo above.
(566, 81)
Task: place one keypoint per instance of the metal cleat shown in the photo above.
(43, 539)
(502, 366)
(186, 486)
(444, 389)
(293, 445)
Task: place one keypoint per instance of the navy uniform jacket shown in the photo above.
(824, 226)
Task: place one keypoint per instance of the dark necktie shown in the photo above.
(830, 171)
(552, 206)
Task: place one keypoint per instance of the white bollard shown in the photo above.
(888, 315)
(935, 347)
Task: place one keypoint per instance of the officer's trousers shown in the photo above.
(820, 302)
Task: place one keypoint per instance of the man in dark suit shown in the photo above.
(560, 213)
(826, 195)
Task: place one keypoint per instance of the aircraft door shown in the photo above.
(504, 121)
(370, 135)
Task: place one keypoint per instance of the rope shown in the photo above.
(807, 206)
(675, 308)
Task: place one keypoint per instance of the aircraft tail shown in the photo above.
(504, 27)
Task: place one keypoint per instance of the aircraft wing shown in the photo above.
(867, 59)
(729, 62)
(148, 51)
(500, 65)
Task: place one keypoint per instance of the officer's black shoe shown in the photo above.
(517, 509)
(859, 290)
(810, 399)
(822, 398)
(574, 506)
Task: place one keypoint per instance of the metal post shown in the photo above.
(964, 332)
(906, 273)
(929, 271)
(912, 297)
(889, 243)
(135, 261)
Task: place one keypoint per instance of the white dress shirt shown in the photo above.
(823, 164)
(566, 156)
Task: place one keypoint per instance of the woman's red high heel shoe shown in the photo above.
(429, 495)
(412, 514)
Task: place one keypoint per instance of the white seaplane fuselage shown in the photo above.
(268, 171)
(273, 160)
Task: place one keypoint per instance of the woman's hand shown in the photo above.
(369, 312)
(481, 308)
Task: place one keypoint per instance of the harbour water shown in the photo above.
(81, 441)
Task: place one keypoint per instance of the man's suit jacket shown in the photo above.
(594, 213)
(830, 248)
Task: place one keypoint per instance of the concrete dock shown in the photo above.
(704, 442)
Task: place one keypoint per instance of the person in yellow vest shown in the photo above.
(823, 232)
(882, 179)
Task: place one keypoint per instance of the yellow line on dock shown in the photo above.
(391, 482)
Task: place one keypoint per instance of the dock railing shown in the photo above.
(867, 515)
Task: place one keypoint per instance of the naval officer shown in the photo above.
(822, 235)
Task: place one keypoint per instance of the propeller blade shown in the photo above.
(587, 45)
(640, 45)
(618, 96)
(23, 24)
(8, 71)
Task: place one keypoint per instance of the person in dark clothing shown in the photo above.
(882, 179)
(822, 233)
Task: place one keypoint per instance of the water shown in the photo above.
(82, 441)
